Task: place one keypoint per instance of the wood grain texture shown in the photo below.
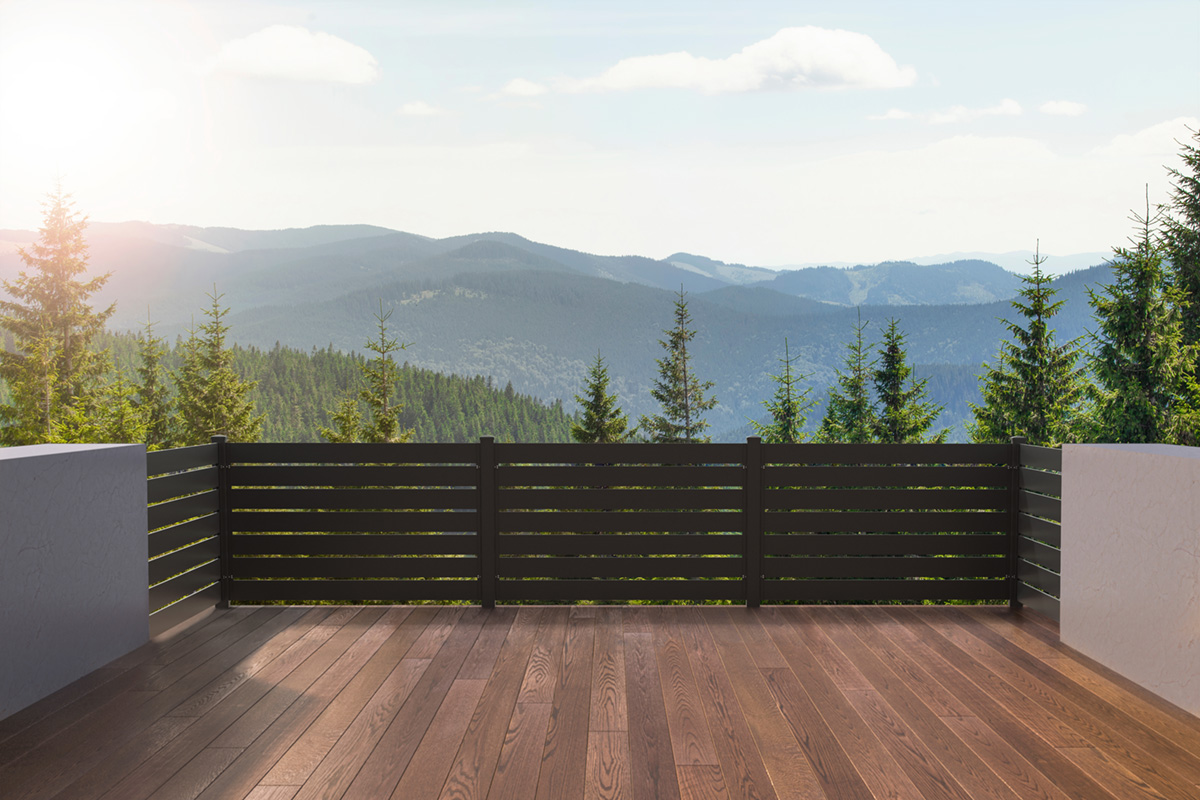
(651, 760)
(426, 773)
(608, 674)
(691, 741)
(607, 766)
(517, 769)
(564, 757)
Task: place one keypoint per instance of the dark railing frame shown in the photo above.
(198, 558)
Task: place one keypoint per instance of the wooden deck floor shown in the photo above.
(588, 702)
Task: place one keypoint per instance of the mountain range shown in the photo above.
(534, 314)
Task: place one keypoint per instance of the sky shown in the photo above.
(764, 133)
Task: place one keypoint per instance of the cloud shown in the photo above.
(794, 58)
(293, 53)
(1005, 108)
(519, 87)
(1062, 108)
(419, 108)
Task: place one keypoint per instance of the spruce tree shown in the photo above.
(212, 397)
(788, 407)
(152, 392)
(905, 414)
(381, 375)
(850, 413)
(601, 419)
(677, 389)
(1034, 389)
(1146, 389)
(53, 324)
(1181, 238)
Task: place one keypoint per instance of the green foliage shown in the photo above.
(677, 389)
(1145, 389)
(1034, 389)
(153, 393)
(52, 366)
(111, 417)
(212, 398)
(789, 407)
(380, 375)
(1181, 239)
(905, 414)
(850, 412)
(601, 419)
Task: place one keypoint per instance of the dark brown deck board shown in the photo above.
(586, 703)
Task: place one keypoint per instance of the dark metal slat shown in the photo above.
(331, 453)
(350, 544)
(1039, 553)
(352, 476)
(190, 557)
(166, 618)
(612, 590)
(1041, 457)
(354, 567)
(846, 591)
(616, 522)
(338, 499)
(881, 499)
(1040, 529)
(620, 499)
(562, 453)
(929, 567)
(179, 459)
(913, 475)
(616, 567)
(352, 591)
(883, 522)
(176, 536)
(354, 521)
(619, 543)
(173, 511)
(181, 483)
(1041, 579)
(619, 476)
(887, 544)
(1038, 601)
(1039, 505)
(1036, 480)
(188, 583)
(885, 453)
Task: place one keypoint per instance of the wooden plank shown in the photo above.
(179, 459)
(884, 522)
(1036, 480)
(1040, 505)
(517, 768)
(353, 499)
(176, 536)
(555, 453)
(356, 476)
(354, 567)
(426, 773)
(624, 475)
(180, 483)
(475, 764)
(841, 476)
(780, 753)
(617, 521)
(174, 511)
(651, 759)
(886, 499)
(1048, 458)
(608, 766)
(1039, 529)
(602, 544)
(691, 741)
(330, 453)
(887, 567)
(482, 659)
(541, 675)
(564, 756)
(887, 544)
(183, 585)
(608, 701)
(353, 521)
(1039, 553)
(885, 453)
(618, 567)
(351, 590)
(624, 499)
(354, 544)
(702, 782)
(199, 773)
(184, 559)
(845, 591)
(184, 609)
(601, 589)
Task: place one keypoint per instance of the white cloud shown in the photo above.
(1062, 108)
(1005, 108)
(1158, 142)
(419, 108)
(294, 53)
(892, 113)
(519, 87)
(794, 58)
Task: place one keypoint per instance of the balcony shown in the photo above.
(761, 697)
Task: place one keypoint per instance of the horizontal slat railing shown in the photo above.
(565, 522)
(1039, 519)
(183, 547)
(876, 522)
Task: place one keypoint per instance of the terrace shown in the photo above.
(792, 688)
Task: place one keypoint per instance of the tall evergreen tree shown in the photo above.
(1034, 389)
(905, 414)
(850, 413)
(789, 406)
(53, 324)
(601, 419)
(1146, 389)
(677, 389)
(1181, 238)
(380, 374)
(212, 397)
(153, 394)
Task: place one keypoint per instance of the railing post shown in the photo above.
(1014, 516)
(487, 521)
(752, 527)
(223, 532)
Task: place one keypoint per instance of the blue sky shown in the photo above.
(766, 133)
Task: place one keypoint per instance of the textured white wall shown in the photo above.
(73, 566)
(1131, 563)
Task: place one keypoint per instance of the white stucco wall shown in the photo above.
(1131, 563)
(73, 571)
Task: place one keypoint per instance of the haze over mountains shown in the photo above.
(499, 304)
